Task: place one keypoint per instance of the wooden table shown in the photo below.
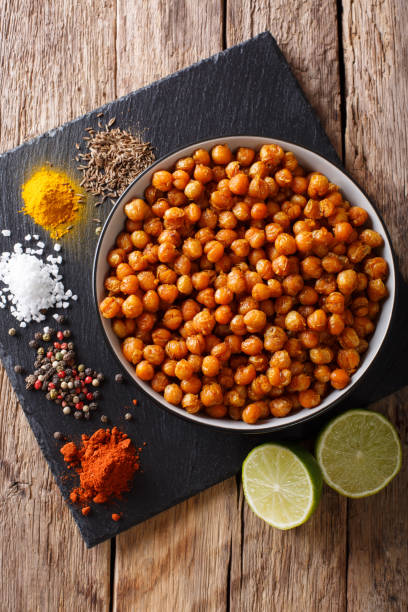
(59, 59)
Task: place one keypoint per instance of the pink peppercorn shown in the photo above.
(88, 380)
(60, 335)
(37, 384)
(61, 374)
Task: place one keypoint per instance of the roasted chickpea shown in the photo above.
(191, 403)
(251, 413)
(136, 209)
(280, 407)
(221, 155)
(154, 354)
(172, 318)
(294, 322)
(245, 156)
(376, 290)
(321, 355)
(347, 281)
(161, 336)
(173, 394)
(210, 366)
(335, 324)
(132, 349)
(376, 267)
(244, 375)
(167, 293)
(159, 382)
(318, 185)
(204, 322)
(309, 398)
(132, 307)
(357, 215)
(211, 394)
(348, 360)
(144, 370)
(339, 378)
(180, 179)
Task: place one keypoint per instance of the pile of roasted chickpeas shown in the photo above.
(243, 285)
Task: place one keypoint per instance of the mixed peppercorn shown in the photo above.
(71, 385)
(244, 286)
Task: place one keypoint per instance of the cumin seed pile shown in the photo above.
(113, 159)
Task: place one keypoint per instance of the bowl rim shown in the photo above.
(214, 424)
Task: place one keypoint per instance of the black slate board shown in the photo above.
(248, 89)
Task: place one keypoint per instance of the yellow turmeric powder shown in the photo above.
(52, 199)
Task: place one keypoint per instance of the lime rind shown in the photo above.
(282, 484)
(359, 453)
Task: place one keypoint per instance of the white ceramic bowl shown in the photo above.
(309, 160)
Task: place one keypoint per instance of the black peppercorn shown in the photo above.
(88, 372)
(78, 414)
(87, 416)
(37, 336)
(18, 369)
(100, 377)
(104, 418)
(93, 406)
(96, 394)
(33, 344)
(128, 416)
(119, 378)
(61, 319)
(82, 397)
(58, 435)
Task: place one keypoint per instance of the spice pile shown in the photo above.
(57, 374)
(113, 160)
(32, 285)
(106, 463)
(52, 199)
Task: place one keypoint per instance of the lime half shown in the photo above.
(282, 484)
(359, 452)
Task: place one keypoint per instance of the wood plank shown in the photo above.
(305, 568)
(53, 66)
(307, 34)
(156, 38)
(376, 149)
(179, 559)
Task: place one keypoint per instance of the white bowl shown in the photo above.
(311, 161)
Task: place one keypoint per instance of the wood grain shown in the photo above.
(156, 38)
(51, 70)
(375, 56)
(305, 568)
(307, 34)
(179, 559)
(59, 59)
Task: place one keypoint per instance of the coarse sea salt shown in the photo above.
(31, 284)
(6, 232)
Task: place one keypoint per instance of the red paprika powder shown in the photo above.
(106, 463)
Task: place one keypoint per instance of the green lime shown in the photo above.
(359, 452)
(282, 484)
